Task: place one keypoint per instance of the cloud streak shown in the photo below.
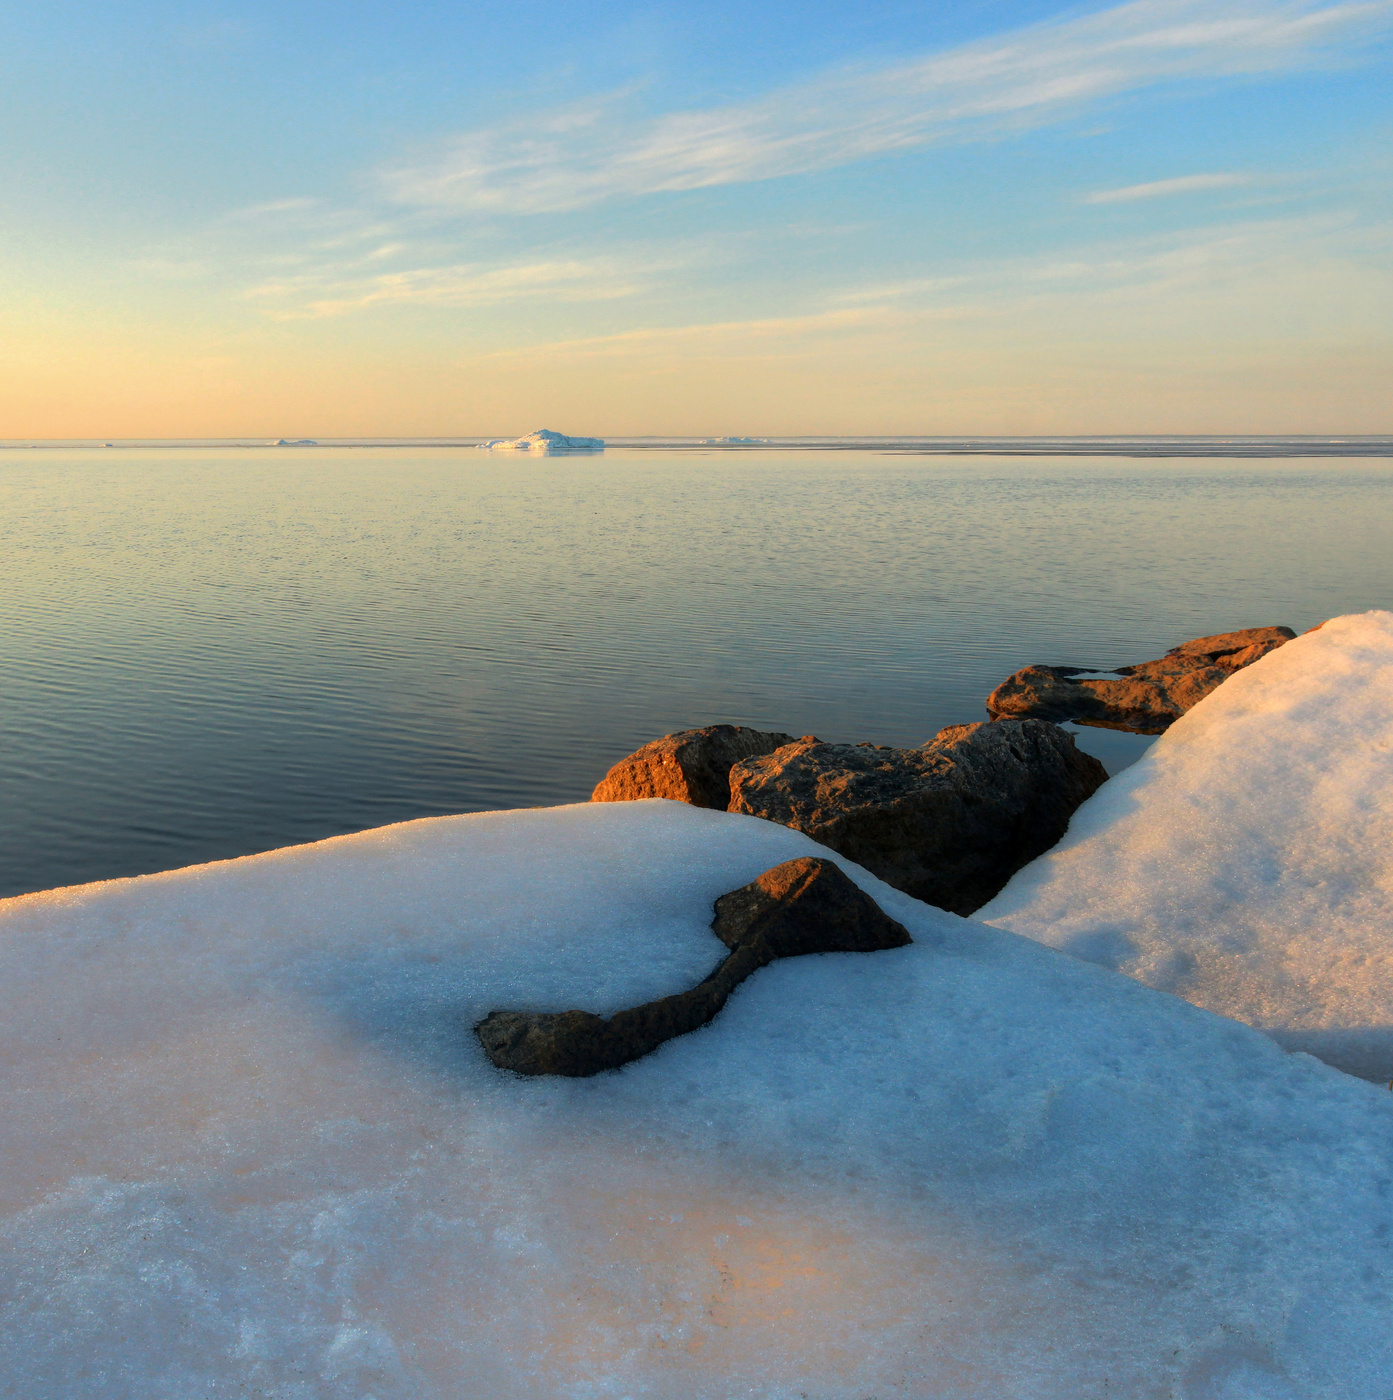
(1159, 189)
(1332, 268)
(315, 295)
(593, 152)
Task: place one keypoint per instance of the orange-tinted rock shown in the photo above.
(691, 766)
(948, 823)
(1146, 698)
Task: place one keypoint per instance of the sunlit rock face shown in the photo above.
(948, 822)
(252, 1146)
(692, 765)
(544, 441)
(1146, 698)
(1246, 862)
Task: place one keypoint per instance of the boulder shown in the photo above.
(949, 822)
(1146, 698)
(806, 905)
(690, 766)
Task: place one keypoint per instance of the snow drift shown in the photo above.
(251, 1146)
(1246, 862)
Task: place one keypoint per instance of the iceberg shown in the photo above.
(295, 442)
(544, 441)
(1246, 862)
(252, 1146)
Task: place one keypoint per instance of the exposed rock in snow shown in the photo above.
(251, 1145)
(1246, 862)
(801, 906)
(948, 822)
(545, 441)
(692, 765)
(1146, 698)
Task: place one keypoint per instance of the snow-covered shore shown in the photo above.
(251, 1146)
(1246, 862)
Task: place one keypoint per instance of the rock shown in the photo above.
(808, 905)
(691, 766)
(949, 822)
(1146, 698)
(802, 906)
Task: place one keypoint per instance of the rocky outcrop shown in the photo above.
(802, 906)
(1146, 698)
(948, 823)
(690, 766)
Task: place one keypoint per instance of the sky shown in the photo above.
(315, 220)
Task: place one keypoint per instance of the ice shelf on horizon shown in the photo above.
(544, 440)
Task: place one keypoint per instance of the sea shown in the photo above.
(210, 649)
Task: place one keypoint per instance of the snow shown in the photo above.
(251, 1147)
(1246, 862)
(544, 440)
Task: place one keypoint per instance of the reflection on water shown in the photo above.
(211, 651)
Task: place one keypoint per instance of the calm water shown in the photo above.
(209, 652)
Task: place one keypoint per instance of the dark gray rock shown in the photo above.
(948, 823)
(1146, 698)
(808, 905)
(802, 906)
(690, 766)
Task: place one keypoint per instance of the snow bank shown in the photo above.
(1246, 863)
(544, 440)
(251, 1147)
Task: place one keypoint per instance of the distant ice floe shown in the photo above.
(724, 441)
(295, 442)
(544, 441)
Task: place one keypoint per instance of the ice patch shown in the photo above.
(544, 441)
(251, 1146)
(1246, 862)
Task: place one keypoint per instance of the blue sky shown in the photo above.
(1005, 217)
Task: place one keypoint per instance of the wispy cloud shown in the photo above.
(596, 151)
(1159, 189)
(303, 259)
(317, 294)
(714, 336)
(1175, 267)
(1332, 270)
